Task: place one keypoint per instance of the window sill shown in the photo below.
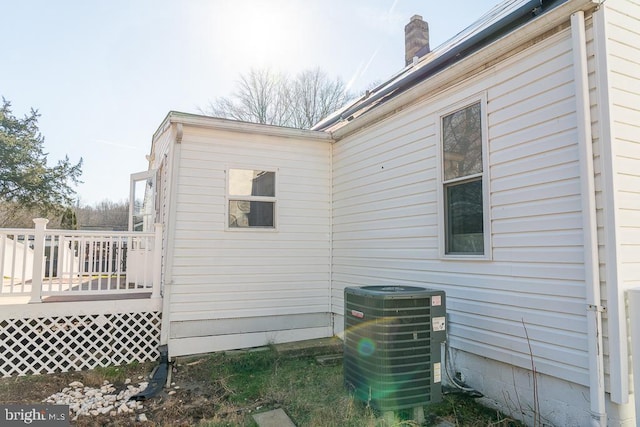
(465, 258)
(246, 229)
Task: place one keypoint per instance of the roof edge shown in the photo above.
(342, 127)
(209, 122)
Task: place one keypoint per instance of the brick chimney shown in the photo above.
(416, 38)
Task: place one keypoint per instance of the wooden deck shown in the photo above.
(78, 289)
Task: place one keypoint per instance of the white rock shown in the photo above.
(172, 392)
(127, 381)
(93, 401)
(105, 382)
(142, 418)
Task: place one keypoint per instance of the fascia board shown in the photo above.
(246, 127)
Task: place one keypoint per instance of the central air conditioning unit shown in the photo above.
(392, 340)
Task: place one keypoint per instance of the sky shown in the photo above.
(104, 74)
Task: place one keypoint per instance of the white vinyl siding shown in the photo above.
(624, 62)
(386, 218)
(161, 154)
(222, 275)
(619, 208)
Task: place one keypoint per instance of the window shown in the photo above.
(142, 200)
(251, 198)
(462, 180)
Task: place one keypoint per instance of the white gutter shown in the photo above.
(589, 223)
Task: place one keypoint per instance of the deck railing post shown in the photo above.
(157, 260)
(38, 259)
(61, 255)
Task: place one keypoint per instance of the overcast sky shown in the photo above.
(104, 74)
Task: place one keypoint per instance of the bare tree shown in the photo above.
(106, 214)
(315, 96)
(267, 97)
(15, 215)
(261, 96)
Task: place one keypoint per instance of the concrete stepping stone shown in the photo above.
(274, 418)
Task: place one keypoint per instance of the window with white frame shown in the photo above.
(462, 181)
(251, 198)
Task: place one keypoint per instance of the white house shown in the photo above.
(228, 283)
(502, 167)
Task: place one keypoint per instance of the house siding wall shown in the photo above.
(386, 226)
(257, 277)
(624, 62)
(621, 207)
(162, 155)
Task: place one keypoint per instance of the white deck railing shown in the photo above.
(40, 263)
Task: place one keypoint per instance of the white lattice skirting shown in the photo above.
(77, 342)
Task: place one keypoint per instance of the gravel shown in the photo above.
(88, 401)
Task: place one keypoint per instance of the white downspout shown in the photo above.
(616, 316)
(331, 314)
(589, 224)
(633, 296)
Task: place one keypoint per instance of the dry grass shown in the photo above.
(223, 390)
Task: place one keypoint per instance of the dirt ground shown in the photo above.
(202, 389)
(194, 396)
